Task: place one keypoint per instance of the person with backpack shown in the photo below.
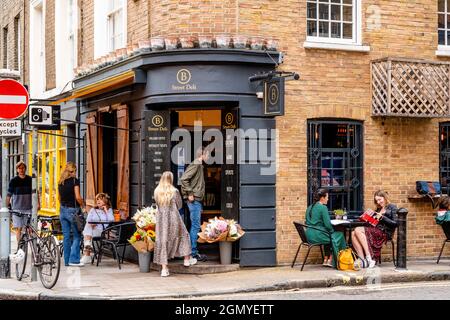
(317, 216)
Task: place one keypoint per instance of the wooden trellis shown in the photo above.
(410, 88)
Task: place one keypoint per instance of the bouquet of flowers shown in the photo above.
(139, 241)
(234, 231)
(219, 229)
(143, 240)
(146, 218)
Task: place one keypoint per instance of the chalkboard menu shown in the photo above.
(230, 177)
(157, 149)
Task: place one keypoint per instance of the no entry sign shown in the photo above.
(13, 99)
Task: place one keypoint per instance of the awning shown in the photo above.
(111, 83)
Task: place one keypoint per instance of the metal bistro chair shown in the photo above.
(301, 229)
(391, 241)
(116, 237)
(446, 228)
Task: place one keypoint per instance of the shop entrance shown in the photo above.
(218, 188)
(221, 176)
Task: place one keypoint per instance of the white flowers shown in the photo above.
(145, 217)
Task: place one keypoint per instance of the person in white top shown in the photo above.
(101, 213)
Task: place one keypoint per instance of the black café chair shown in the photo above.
(301, 229)
(114, 238)
(446, 228)
(391, 241)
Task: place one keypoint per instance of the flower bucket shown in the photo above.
(225, 252)
(144, 261)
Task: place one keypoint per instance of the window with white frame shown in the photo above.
(116, 22)
(335, 21)
(444, 22)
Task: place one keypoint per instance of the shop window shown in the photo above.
(15, 154)
(444, 158)
(5, 48)
(51, 160)
(335, 163)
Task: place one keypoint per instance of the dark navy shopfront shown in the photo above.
(170, 93)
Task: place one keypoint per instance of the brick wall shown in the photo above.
(86, 32)
(9, 10)
(138, 17)
(50, 53)
(336, 84)
(193, 17)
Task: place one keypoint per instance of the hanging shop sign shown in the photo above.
(274, 96)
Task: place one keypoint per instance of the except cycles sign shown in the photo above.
(10, 128)
(13, 99)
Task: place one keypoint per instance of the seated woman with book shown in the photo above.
(368, 241)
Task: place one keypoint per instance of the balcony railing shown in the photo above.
(410, 88)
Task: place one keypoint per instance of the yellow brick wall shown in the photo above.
(138, 15)
(183, 17)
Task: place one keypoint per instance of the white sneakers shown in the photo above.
(86, 259)
(80, 264)
(371, 262)
(190, 262)
(164, 272)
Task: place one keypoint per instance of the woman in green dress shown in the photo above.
(317, 216)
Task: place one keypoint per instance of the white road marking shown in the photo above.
(6, 99)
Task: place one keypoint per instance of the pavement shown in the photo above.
(108, 282)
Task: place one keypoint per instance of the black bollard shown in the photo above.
(401, 238)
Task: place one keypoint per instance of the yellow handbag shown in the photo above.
(346, 260)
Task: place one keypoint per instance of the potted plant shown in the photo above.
(171, 42)
(187, 42)
(256, 43)
(205, 41)
(339, 214)
(223, 41)
(157, 43)
(240, 41)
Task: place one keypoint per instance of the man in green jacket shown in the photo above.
(193, 191)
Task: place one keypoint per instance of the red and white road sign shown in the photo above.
(13, 99)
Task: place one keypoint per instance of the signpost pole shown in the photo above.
(5, 235)
(34, 194)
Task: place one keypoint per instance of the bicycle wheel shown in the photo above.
(51, 262)
(21, 265)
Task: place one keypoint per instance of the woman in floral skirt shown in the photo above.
(172, 238)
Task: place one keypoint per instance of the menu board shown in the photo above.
(157, 149)
(230, 177)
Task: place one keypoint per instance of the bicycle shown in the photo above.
(44, 252)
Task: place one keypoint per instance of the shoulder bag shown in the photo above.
(79, 219)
